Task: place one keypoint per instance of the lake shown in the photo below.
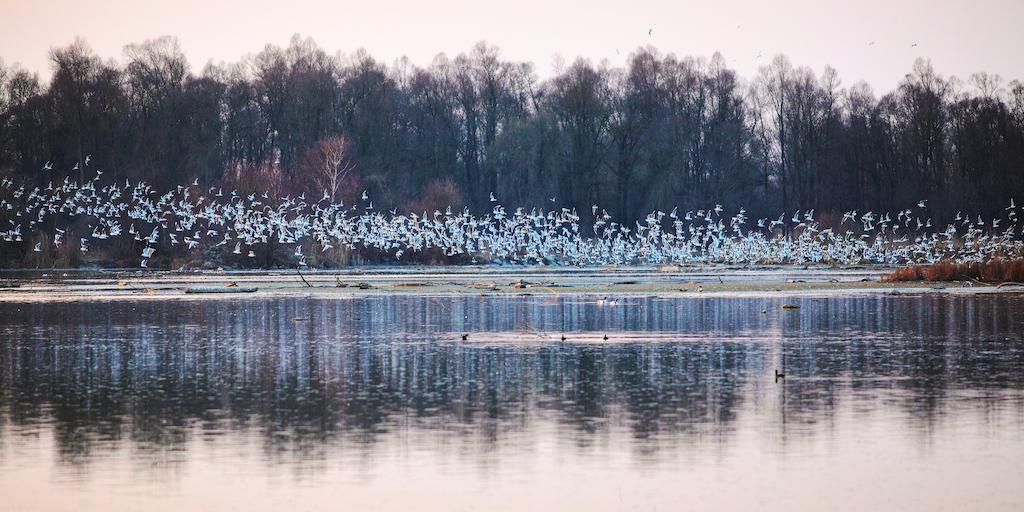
(907, 402)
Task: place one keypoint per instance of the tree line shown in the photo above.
(660, 132)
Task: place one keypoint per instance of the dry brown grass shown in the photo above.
(993, 271)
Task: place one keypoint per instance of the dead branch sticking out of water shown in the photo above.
(297, 270)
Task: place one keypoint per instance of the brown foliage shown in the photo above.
(247, 178)
(992, 271)
(439, 195)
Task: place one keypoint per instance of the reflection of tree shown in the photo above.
(156, 373)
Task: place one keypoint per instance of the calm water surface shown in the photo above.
(376, 403)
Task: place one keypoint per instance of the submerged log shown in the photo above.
(221, 289)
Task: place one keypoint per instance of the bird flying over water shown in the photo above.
(164, 219)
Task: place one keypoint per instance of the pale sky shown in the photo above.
(959, 36)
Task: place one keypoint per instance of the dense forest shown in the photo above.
(663, 131)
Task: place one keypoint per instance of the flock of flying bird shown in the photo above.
(191, 216)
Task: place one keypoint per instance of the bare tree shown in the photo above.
(773, 81)
(329, 162)
(661, 132)
(988, 85)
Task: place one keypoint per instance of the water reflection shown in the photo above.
(312, 381)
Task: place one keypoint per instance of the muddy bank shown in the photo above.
(432, 280)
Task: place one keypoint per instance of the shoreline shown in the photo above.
(667, 282)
